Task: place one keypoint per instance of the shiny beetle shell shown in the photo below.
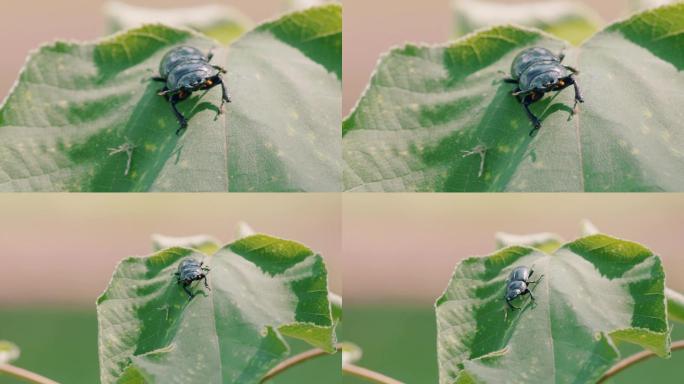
(189, 270)
(519, 274)
(531, 56)
(542, 76)
(180, 55)
(515, 289)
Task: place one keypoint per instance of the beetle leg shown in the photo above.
(220, 68)
(535, 282)
(190, 294)
(225, 98)
(510, 80)
(513, 307)
(571, 69)
(205, 283)
(210, 55)
(531, 295)
(179, 116)
(535, 121)
(578, 93)
(159, 79)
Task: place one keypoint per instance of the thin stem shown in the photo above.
(637, 357)
(367, 374)
(296, 360)
(22, 374)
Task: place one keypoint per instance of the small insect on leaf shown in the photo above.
(185, 70)
(190, 270)
(518, 285)
(537, 71)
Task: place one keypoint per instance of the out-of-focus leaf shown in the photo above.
(639, 5)
(76, 107)
(243, 230)
(569, 20)
(351, 353)
(336, 306)
(202, 243)
(428, 107)
(594, 292)
(261, 289)
(588, 228)
(545, 242)
(304, 4)
(675, 305)
(8, 352)
(220, 22)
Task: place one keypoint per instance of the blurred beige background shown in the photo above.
(62, 248)
(372, 27)
(27, 24)
(402, 248)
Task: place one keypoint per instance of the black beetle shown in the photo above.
(190, 270)
(186, 70)
(537, 71)
(518, 283)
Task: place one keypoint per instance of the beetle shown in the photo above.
(190, 270)
(184, 70)
(518, 284)
(537, 71)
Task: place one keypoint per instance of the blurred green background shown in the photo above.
(58, 251)
(400, 251)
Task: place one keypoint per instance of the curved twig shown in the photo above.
(296, 360)
(350, 369)
(635, 358)
(22, 374)
(369, 375)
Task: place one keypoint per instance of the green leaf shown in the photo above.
(595, 291)
(78, 108)
(429, 109)
(569, 21)
(220, 22)
(8, 352)
(262, 289)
